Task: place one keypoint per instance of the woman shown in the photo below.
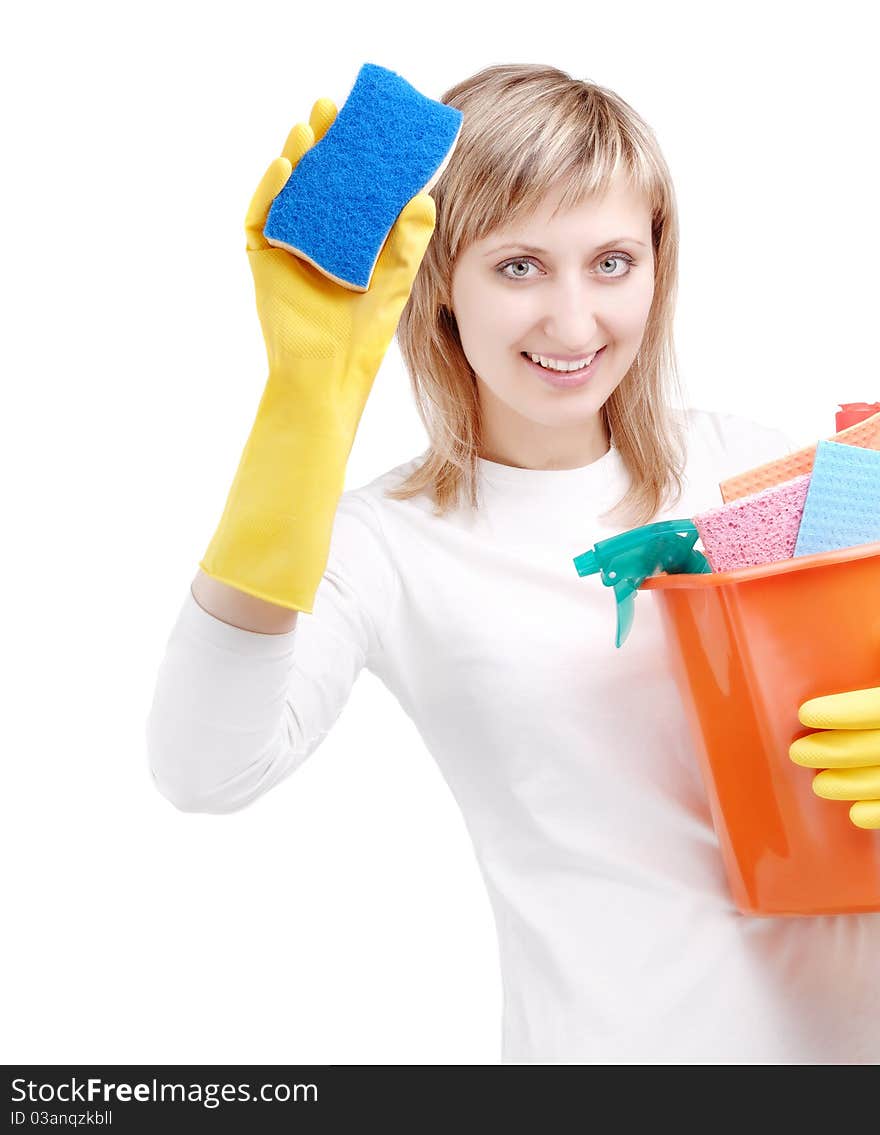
(451, 578)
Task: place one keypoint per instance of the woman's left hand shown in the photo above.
(847, 748)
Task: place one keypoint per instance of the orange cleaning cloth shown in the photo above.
(865, 434)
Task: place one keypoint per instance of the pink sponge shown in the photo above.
(756, 529)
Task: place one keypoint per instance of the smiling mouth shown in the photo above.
(562, 378)
(560, 370)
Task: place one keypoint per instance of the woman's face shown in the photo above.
(591, 287)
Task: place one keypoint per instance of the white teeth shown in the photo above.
(554, 364)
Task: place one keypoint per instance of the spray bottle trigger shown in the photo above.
(625, 561)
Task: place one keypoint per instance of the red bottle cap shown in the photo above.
(852, 412)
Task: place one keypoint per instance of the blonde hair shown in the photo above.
(528, 129)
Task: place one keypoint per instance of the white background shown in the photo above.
(341, 918)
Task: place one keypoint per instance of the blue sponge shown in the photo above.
(842, 508)
(387, 143)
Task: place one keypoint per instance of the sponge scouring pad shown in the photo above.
(757, 529)
(387, 144)
(842, 508)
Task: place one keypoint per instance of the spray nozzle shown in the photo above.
(627, 560)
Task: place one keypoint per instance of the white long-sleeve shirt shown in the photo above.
(571, 760)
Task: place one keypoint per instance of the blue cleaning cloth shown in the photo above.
(842, 507)
(387, 143)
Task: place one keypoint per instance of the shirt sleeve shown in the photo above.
(785, 442)
(234, 711)
(743, 442)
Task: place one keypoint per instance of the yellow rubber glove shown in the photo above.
(849, 750)
(324, 345)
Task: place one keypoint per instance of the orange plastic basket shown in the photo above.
(748, 647)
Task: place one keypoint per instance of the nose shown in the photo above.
(569, 318)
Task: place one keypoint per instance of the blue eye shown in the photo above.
(519, 260)
(616, 256)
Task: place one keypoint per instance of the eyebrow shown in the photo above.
(544, 252)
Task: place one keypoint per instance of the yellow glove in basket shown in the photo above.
(847, 749)
(324, 344)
